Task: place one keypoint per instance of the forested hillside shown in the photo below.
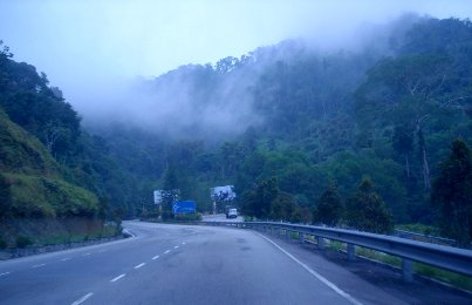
(51, 172)
(295, 121)
(304, 134)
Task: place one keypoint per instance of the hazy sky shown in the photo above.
(85, 45)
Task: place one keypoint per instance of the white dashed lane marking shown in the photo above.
(38, 265)
(5, 273)
(118, 277)
(139, 266)
(65, 259)
(87, 254)
(83, 299)
(176, 247)
(167, 252)
(155, 257)
(183, 243)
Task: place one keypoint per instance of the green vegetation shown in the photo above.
(366, 210)
(388, 111)
(188, 217)
(452, 190)
(452, 278)
(38, 232)
(329, 209)
(420, 228)
(23, 241)
(455, 279)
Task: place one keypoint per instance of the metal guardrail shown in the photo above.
(426, 238)
(445, 257)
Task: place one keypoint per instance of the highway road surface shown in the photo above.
(179, 264)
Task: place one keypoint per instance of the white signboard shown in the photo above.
(223, 193)
(158, 197)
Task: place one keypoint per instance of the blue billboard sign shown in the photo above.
(184, 207)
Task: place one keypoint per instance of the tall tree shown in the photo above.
(329, 209)
(402, 142)
(366, 210)
(259, 199)
(452, 192)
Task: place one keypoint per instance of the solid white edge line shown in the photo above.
(5, 273)
(166, 251)
(83, 299)
(314, 273)
(118, 277)
(155, 257)
(139, 266)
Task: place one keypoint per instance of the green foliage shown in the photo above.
(259, 199)
(3, 244)
(329, 209)
(21, 152)
(188, 217)
(427, 230)
(337, 116)
(23, 241)
(367, 212)
(33, 196)
(452, 192)
(30, 103)
(455, 279)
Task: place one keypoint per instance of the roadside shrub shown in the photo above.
(3, 244)
(166, 215)
(189, 217)
(23, 242)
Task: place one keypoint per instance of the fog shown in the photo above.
(105, 54)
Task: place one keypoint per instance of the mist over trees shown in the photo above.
(295, 129)
(388, 110)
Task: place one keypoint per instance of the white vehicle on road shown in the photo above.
(232, 213)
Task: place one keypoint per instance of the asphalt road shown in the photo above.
(177, 264)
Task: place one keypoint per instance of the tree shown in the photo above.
(366, 210)
(452, 192)
(5, 197)
(329, 209)
(402, 142)
(259, 199)
(171, 189)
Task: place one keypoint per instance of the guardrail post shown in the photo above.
(287, 234)
(351, 252)
(407, 270)
(321, 242)
(301, 235)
